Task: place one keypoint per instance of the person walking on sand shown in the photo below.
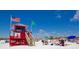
(62, 42)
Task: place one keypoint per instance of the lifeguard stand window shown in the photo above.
(20, 29)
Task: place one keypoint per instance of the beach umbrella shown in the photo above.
(71, 37)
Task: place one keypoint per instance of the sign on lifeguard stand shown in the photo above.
(18, 36)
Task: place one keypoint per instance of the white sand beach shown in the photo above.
(38, 45)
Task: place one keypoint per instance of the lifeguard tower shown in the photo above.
(18, 35)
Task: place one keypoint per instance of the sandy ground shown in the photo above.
(39, 45)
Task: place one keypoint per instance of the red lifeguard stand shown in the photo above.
(18, 36)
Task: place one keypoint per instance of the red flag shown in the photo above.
(15, 19)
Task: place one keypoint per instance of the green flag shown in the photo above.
(33, 23)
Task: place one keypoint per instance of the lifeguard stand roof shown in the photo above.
(20, 24)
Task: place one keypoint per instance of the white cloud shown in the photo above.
(59, 16)
(42, 34)
(76, 16)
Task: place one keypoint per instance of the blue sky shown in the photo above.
(56, 22)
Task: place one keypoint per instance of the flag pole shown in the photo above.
(10, 23)
(31, 26)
